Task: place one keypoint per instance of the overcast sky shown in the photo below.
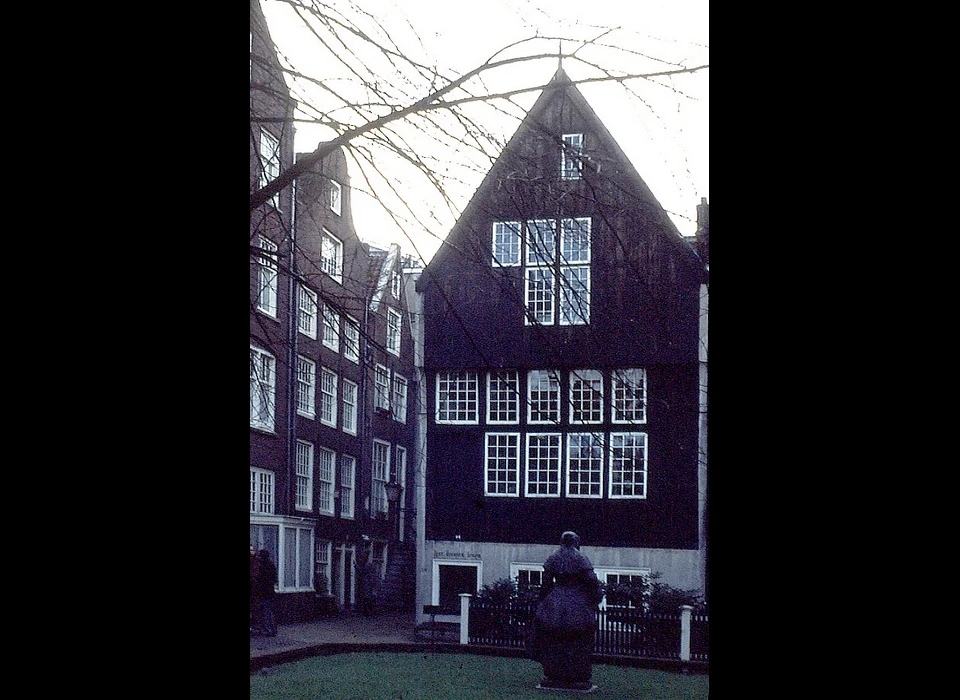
(663, 132)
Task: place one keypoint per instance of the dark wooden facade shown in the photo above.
(644, 308)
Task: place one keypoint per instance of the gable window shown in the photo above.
(326, 468)
(267, 277)
(457, 397)
(306, 386)
(393, 332)
(571, 156)
(328, 397)
(351, 339)
(349, 420)
(262, 388)
(307, 312)
(331, 327)
(261, 491)
(628, 465)
(269, 161)
(304, 497)
(557, 274)
(502, 464)
(396, 287)
(506, 243)
(543, 396)
(586, 396)
(381, 385)
(399, 398)
(503, 397)
(331, 255)
(584, 465)
(381, 471)
(348, 470)
(543, 464)
(629, 396)
(335, 194)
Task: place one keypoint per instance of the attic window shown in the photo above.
(570, 157)
(335, 192)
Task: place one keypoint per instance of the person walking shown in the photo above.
(254, 601)
(266, 580)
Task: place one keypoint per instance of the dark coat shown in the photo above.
(570, 592)
(266, 577)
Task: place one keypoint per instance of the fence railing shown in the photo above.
(682, 636)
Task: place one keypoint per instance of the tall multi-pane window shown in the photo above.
(349, 418)
(351, 339)
(557, 273)
(297, 563)
(506, 243)
(393, 332)
(543, 396)
(457, 397)
(348, 471)
(331, 255)
(331, 327)
(304, 490)
(381, 472)
(584, 465)
(262, 388)
(307, 312)
(503, 397)
(335, 196)
(571, 156)
(269, 161)
(502, 464)
(399, 402)
(321, 572)
(628, 465)
(543, 464)
(586, 396)
(326, 468)
(267, 277)
(396, 286)
(381, 388)
(539, 293)
(575, 271)
(261, 491)
(306, 386)
(629, 396)
(328, 397)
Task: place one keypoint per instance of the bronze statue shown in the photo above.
(566, 619)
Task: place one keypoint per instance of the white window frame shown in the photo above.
(351, 339)
(304, 484)
(617, 466)
(574, 488)
(331, 255)
(546, 382)
(540, 289)
(269, 162)
(306, 387)
(326, 470)
(399, 400)
(586, 397)
(307, 310)
(263, 384)
(501, 464)
(381, 387)
(396, 288)
(503, 397)
(347, 486)
(295, 570)
(507, 243)
(516, 568)
(262, 491)
(336, 195)
(380, 473)
(457, 398)
(571, 157)
(331, 328)
(328, 397)
(348, 422)
(574, 295)
(394, 320)
(539, 465)
(321, 570)
(629, 396)
(268, 267)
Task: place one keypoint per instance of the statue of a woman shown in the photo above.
(566, 619)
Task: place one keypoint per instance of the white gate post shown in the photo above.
(464, 617)
(685, 611)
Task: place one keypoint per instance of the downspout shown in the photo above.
(292, 339)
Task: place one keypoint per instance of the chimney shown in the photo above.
(703, 229)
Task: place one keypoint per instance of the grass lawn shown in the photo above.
(428, 676)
